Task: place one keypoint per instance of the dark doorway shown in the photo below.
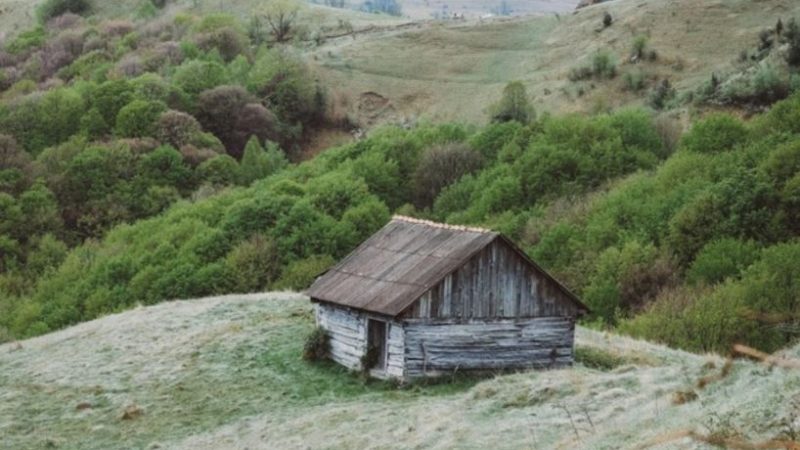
(376, 344)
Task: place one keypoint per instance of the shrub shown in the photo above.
(196, 76)
(165, 166)
(43, 120)
(228, 41)
(282, 81)
(220, 170)
(26, 41)
(603, 65)
(317, 345)
(177, 128)
(301, 273)
(662, 95)
(138, 118)
(253, 264)
(721, 259)
(258, 163)
(716, 133)
(52, 8)
(597, 358)
(607, 19)
(635, 80)
(253, 120)
(514, 105)
(230, 113)
(639, 47)
(440, 166)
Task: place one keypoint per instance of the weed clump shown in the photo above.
(596, 358)
(317, 346)
(607, 19)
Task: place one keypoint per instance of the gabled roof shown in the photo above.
(389, 271)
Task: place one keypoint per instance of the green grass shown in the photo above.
(251, 366)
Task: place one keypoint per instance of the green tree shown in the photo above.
(258, 163)
(514, 105)
(138, 118)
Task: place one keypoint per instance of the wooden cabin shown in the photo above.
(427, 299)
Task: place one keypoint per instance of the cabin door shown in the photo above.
(376, 344)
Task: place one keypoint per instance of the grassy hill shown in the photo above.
(452, 71)
(226, 372)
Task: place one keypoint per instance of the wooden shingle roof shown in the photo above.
(389, 271)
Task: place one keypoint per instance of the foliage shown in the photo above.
(607, 19)
(716, 133)
(54, 8)
(603, 65)
(138, 118)
(440, 166)
(597, 358)
(514, 105)
(721, 259)
(280, 15)
(258, 163)
(317, 345)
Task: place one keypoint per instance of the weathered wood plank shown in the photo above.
(443, 345)
(495, 283)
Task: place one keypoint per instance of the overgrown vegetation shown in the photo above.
(317, 346)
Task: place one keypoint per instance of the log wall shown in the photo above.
(443, 346)
(347, 330)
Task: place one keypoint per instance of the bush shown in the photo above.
(138, 118)
(635, 80)
(662, 95)
(52, 8)
(596, 358)
(607, 19)
(253, 264)
(283, 83)
(220, 170)
(177, 128)
(300, 274)
(714, 134)
(439, 167)
(258, 163)
(603, 65)
(228, 41)
(196, 76)
(639, 47)
(217, 111)
(721, 259)
(27, 40)
(514, 105)
(317, 345)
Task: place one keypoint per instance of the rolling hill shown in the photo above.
(445, 71)
(226, 372)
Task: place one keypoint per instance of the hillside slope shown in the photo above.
(444, 71)
(225, 372)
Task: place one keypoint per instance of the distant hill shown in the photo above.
(452, 70)
(226, 372)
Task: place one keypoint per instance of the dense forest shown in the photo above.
(148, 161)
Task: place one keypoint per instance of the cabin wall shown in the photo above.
(347, 330)
(495, 283)
(443, 346)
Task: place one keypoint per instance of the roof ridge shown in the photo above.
(445, 226)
